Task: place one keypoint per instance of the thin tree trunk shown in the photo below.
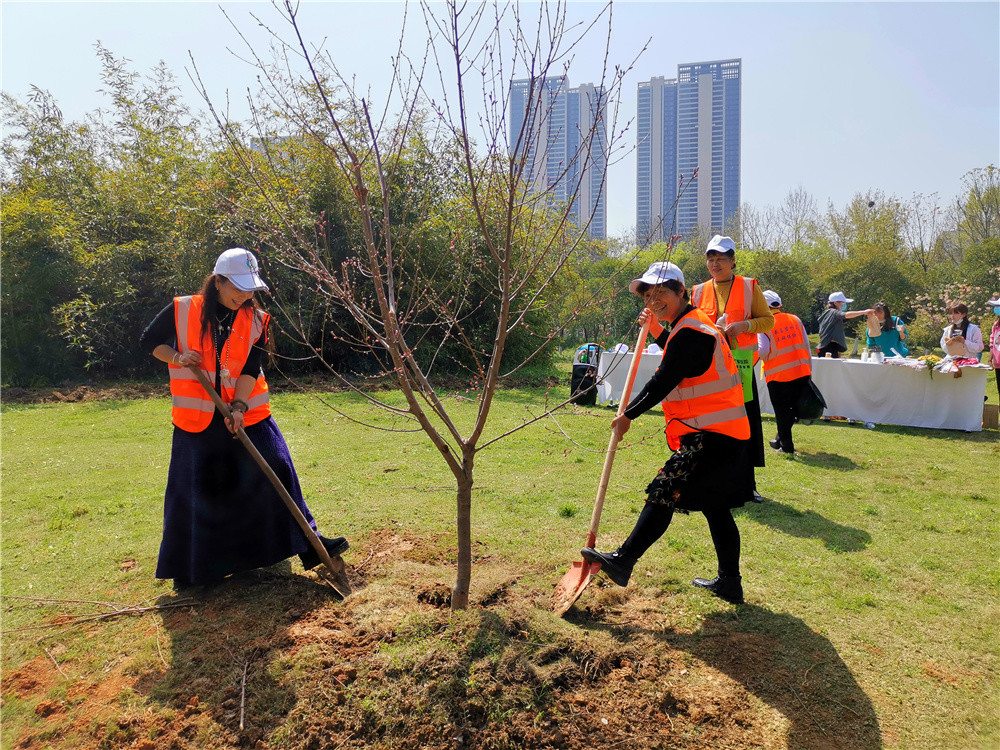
(463, 524)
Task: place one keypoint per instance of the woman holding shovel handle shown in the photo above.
(222, 515)
(702, 394)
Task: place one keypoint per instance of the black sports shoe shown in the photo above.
(334, 548)
(776, 444)
(729, 588)
(616, 566)
(757, 497)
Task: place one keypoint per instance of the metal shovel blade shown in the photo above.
(336, 576)
(568, 589)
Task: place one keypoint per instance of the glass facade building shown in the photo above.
(561, 160)
(683, 124)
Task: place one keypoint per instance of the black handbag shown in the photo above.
(811, 403)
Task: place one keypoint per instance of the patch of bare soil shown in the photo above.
(392, 667)
(76, 393)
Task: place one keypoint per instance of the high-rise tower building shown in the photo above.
(561, 157)
(684, 123)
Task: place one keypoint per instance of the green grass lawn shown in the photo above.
(871, 580)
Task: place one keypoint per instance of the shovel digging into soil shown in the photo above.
(568, 589)
(336, 572)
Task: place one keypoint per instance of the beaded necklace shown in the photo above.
(222, 330)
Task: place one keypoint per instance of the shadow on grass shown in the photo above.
(240, 623)
(788, 665)
(807, 524)
(828, 461)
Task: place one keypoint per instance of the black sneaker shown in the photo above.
(729, 588)
(776, 444)
(334, 548)
(757, 497)
(616, 566)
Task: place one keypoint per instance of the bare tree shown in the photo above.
(511, 239)
(979, 209)
(925, 221)
(798, 216)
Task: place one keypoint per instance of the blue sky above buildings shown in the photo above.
(838, 98)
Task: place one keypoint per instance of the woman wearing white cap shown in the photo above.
(786, 365)
(831, 325)
(698, 383)
(995, 339)
(221, 514)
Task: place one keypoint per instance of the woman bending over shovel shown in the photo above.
(699, 385)
(221, 513)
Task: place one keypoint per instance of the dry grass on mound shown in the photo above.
(392, 666)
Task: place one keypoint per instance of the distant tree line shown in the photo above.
(105, 220)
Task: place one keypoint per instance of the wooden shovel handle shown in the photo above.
(609, 457)
(268, 472)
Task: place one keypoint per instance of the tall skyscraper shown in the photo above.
(559, 158)
(683, 123)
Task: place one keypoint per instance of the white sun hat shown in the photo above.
(240, 266)
(721, 244)
(840, 297)
(773, 300)
(657, 273)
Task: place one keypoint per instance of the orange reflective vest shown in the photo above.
(788, 358)
(712, 401)
(193, 407)
(737, 306)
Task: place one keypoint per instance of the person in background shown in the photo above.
(221, 514)
(737, 306)
(995, 339)
(699, 386)
(787, 366)
(886, 332)
(831, 325)
(961, 339)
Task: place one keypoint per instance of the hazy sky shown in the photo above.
(838, 98)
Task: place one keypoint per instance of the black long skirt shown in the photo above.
(221, 514)
(708, 471)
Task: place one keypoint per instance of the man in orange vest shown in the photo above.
(785, 357)
(699, 385)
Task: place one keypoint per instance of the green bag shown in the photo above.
(744, 363)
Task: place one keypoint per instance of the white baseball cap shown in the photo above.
(721, 244)
(840, 297)
(239, 266)
(773, 300)
(657, 273)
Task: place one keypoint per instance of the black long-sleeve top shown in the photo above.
(688, 355)
(163, 330)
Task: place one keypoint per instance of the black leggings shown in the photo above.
(655, 518)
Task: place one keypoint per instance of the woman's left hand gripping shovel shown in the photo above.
(568, 590)
(336, 571)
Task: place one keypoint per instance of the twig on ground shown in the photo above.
(359, 567)
(806, 674)
(48, 654)
(243, 692)
(157, 626)
(79, 619)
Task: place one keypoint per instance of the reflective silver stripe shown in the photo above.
(786, 366)
(696, 294)
(257, 325)
(747, 295)
(184, 373)
(726, 382)
(259, 400)
(717, 417)
(198, 404)
(183, 305)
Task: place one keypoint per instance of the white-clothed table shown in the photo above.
(612, 370)
(892, 394)
(867, 392)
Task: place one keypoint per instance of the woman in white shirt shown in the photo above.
(962, 339)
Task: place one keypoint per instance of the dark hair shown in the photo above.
(672, 284)
(887, 324)
(209, 309)
(962, 310)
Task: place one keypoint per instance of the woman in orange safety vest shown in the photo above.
(221, 513)
(699, 386)
(786, 364)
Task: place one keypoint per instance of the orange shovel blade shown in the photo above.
(568, 590)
